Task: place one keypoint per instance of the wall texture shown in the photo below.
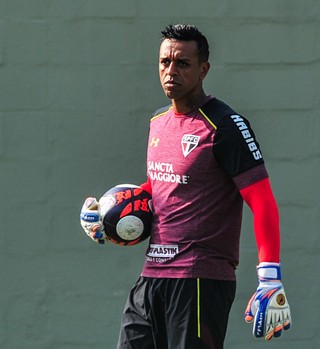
(78, 82)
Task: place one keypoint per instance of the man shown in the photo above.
(203, 162)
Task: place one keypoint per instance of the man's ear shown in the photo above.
(204, 70)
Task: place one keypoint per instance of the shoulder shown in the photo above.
(224, 118)
(235, 146)
(216, 111)
(161, 111)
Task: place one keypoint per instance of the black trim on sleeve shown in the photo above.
(216, 110)
(161, 110)
(235, 146)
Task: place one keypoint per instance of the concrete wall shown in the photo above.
(78, 82)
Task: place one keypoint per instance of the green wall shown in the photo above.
(78, 82)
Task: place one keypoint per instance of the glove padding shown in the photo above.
(268, 308)
(91, 220)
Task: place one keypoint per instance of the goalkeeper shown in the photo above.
(183, 297)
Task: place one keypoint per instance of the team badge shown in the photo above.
(189, 142)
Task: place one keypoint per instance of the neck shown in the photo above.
(188, 104)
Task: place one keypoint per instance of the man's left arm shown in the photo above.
(259, 197)
(268, 308)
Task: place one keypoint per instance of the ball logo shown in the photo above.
(137, 205)
(130, 227)
(189, 143)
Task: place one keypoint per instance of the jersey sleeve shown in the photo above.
(147, 186)
(259, 197)
(235, 146)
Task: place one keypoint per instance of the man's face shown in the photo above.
(181, 73)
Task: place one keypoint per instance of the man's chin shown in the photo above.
(171, 94)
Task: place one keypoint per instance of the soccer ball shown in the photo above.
(126, 214)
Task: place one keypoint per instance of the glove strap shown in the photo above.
(269, 271)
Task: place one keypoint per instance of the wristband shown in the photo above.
(269, 271)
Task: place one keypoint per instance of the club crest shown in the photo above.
(189, 142)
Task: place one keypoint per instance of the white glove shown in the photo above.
(268, 308)
(91, 220)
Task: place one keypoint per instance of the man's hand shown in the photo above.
(91, 220)
(268, 308)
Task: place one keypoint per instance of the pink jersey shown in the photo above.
(196, 201)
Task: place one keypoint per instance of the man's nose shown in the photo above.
(172, 69)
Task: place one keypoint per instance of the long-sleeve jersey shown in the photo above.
(197, 164)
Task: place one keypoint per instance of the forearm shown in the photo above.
(260, 199)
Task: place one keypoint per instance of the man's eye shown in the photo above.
(165, 62)
(183, 64)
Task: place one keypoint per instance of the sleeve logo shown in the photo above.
(247, 136)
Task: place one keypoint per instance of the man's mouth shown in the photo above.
(170, 83)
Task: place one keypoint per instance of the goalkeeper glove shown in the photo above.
(91, 220)
(268, 308)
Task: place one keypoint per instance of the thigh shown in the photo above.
(216, 298)
(176, 314)
(136, 329)
(197, 313)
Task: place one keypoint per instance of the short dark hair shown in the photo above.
(187, 32)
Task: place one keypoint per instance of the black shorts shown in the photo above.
(176, 314)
